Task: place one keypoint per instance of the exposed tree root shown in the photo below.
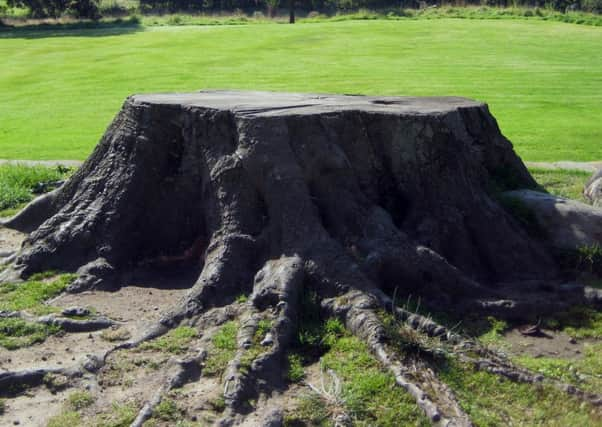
(66, 324)
(258, 365)
(439, 405)
(178, 373)
(494, 364)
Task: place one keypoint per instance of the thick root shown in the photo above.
(179, 372)
(360, 317)
(68, 325)
(257, 366)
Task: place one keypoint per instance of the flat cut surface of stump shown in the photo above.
(285, 104)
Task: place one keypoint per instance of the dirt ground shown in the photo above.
(548, 344)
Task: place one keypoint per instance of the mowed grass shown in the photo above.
(542, 80)
(17, 183)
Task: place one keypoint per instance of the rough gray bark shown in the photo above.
(272, 194)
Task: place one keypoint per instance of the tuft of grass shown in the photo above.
(79, 400)
(167, 410)
(513, 403)
(18, 182)
(242, 298)
(316, 335)
(223, 349)
(117, 334)
(312, 410)
(218, 404)
(561, 182)
(263, 327)
(175, 341)
(16, 333)
(496, 331)
(66, 418)
(121, 415)
(2, 406)
(295, 372)
(30, 295)
(120, 370)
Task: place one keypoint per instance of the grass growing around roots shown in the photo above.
(513, 403)
(17, 183)
(17, 333)
(541, 79)
(28, 296)
(368, 393)
(223, 349)
(585, 373)
(79, 400)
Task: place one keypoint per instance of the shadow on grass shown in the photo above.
(71, 29)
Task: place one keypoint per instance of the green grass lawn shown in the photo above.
(542, 80)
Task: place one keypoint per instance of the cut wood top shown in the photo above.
(255, 103)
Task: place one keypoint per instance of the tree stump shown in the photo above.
(358, 199)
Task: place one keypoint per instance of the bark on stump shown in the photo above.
(355, 198)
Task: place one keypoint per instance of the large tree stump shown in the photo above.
(269, 194)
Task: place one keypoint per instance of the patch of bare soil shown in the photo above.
(10, 241)
(34, 408)
(549, 343)
(127, 377)
(135, 307)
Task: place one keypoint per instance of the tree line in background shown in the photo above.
(89, 9)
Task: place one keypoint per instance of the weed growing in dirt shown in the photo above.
(117, 334)
(79, 400)
(242, 298)
(312, 410)
(167, 410)
(223, 349)
(121, 415)
(66, 418)
(175, 341)
(295, 372)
